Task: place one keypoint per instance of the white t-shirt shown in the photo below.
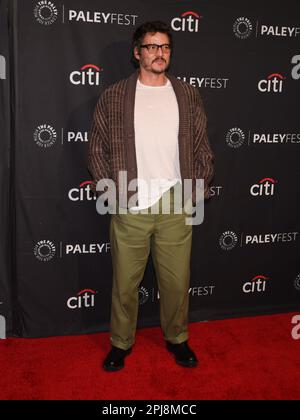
(156, 124)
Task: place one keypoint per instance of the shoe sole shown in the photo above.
(112, 369)
(187, 365)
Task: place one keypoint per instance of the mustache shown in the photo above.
(158, 59)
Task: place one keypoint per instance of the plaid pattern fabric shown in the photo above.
(111, 136)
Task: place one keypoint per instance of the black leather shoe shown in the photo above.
(115, 359)
(184, 356)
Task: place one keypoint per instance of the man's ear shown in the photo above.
(136, 53)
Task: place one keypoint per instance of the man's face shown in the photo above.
(153, 62)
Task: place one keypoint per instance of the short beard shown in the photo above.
(160, 71)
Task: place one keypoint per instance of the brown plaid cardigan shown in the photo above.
(112, 142)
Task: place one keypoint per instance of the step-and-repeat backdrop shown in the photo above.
(56, 58)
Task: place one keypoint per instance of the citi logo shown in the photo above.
(188, 21)
(83, 193)
(88, 75)
(84, 299)
(273, 83)
(257, 284)
(265, 186)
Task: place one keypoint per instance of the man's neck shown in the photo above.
(152, 79)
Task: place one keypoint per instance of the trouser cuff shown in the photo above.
(120, 344)
(178, 339)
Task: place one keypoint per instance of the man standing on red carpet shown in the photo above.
(152, 127)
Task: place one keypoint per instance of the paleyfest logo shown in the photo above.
(45, 135)
(297, 282)
(228, 240)
(242, 28)
(235, 137)
(143, 295)
(45, 12)
(102, 17)
(44, 250)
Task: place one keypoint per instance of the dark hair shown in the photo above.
(149, 27)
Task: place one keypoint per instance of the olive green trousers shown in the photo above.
(169, 239)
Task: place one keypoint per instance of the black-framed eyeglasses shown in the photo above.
(153, 48)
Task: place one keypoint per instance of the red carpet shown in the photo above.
(245, 358)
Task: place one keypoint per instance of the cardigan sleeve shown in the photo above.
(99, 150)
(203, 155)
